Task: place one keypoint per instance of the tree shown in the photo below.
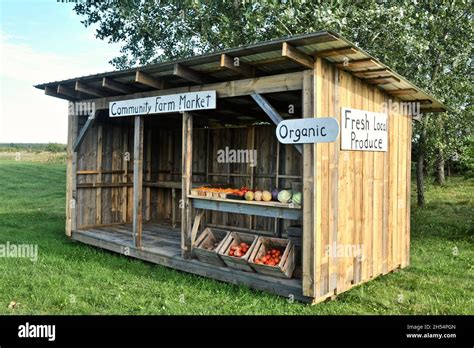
(428, 42)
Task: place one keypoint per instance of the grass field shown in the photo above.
(72, 278)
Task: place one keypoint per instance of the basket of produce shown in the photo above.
(236, 250)
(214, 192)
(273, 256)
(207, 245)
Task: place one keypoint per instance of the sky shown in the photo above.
(42, 41)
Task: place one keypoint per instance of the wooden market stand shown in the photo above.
(127, 176)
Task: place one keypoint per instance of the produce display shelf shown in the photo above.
(259, 208)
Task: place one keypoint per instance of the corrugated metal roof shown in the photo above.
(264, 56)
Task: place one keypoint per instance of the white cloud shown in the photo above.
(26, 114)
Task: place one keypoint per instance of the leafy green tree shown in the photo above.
(428, 42)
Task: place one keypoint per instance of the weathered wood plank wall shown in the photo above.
(361, 198)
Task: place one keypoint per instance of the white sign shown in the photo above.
(307, 130)
(164, 104)
(363, 130)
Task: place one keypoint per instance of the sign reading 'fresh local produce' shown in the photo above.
(363, 130)
(307, 130)
(164, 104)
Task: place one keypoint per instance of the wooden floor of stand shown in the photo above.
(161, 244)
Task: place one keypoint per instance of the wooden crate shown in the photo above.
(287, 263)
(207, 237)
(235, 238)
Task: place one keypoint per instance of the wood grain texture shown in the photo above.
(308, 257)
(71, 177)
(371, 195)
(186, 211)
(138, 181)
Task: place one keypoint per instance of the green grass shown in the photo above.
(73, 278)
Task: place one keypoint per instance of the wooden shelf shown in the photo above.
(267, 209)
(169, 184)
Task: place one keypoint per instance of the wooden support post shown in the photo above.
(71, 177)
(252, 171)
(98, 192)
(208, 157)
(308, 261)
(125, 159)
(148, 176)
(138, 180)
(277, 183)
(316, 240)
(187, 160)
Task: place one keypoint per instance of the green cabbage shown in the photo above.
(296, 198)
(284, 196)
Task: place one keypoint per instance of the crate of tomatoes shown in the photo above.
(273, 256)
(236, 249)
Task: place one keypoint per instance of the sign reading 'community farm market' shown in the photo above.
(191, 101)
(363, 130)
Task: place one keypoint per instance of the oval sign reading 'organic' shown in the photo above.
(308, 130)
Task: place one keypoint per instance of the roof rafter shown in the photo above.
(373, 73)
(61, 89)
(82, 87)
(191, 74)
(343, 51)
(359, 63)
(382, 80)
(401, 91)
(236, 65)
(148, 80)
(297, 56)
(116, 86)
(52, 92)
